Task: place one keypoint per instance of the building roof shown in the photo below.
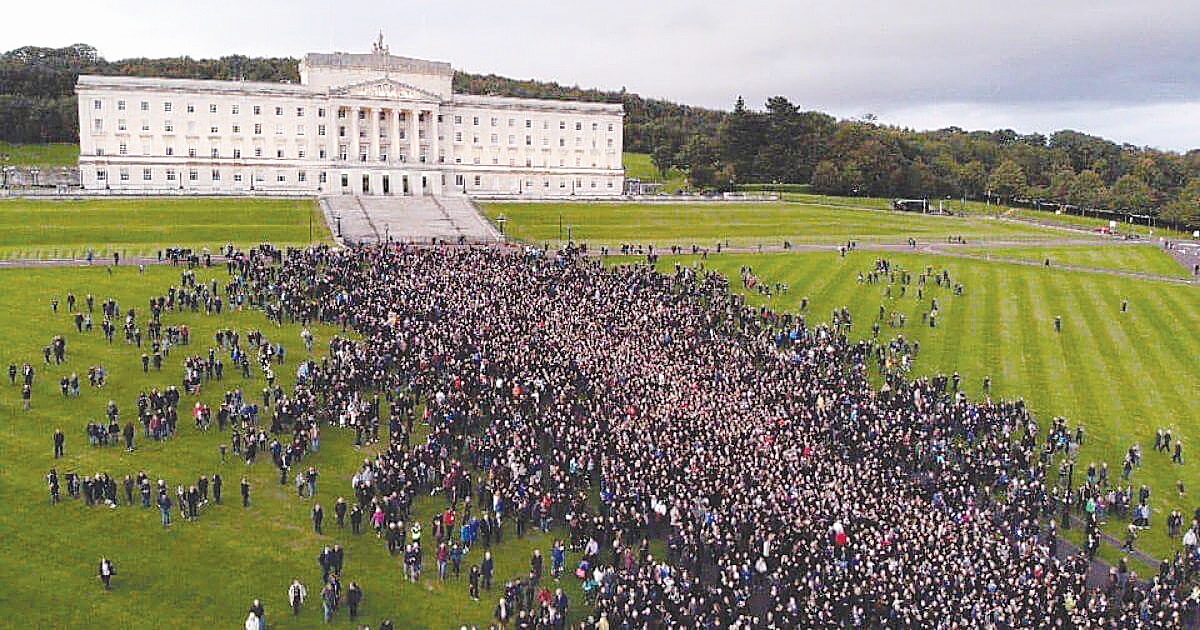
(536, 103)
(193, 85)
(377, 61)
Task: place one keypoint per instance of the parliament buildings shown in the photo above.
(361, 124)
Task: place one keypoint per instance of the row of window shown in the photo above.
(512, 140)
(512, 122)
(477, 181)
(235, 109)
(169, 127)
(171, 175)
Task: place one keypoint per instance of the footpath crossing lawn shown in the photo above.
(742, 224)
(1120, 375)
(1145, 258)
(193, 575)
(32, 228)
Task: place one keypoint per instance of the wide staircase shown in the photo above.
(415, 219)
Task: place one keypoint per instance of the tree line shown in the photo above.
(779, 144)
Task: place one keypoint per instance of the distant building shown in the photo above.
(372, 124)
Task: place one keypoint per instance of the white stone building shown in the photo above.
(364, 124)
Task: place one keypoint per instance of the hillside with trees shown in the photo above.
(781, 143)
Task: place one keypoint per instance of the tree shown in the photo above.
(1185, 208)
(1130, 193)
(1088, 191)
(663, 159)
(1007, 180)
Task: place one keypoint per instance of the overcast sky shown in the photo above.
(1128, 71)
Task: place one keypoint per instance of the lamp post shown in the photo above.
(33, 175)
(501, 220)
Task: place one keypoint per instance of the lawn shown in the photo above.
(639, 165)
(140, 227)
(194, 575)
(1145, 258)
(743, 224)
(1120, 375)
(64, 154)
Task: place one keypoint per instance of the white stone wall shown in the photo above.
(230, 137)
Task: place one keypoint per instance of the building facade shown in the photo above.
(364, 124)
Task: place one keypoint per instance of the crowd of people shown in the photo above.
(789, 491)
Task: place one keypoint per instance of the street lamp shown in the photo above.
(501, 220)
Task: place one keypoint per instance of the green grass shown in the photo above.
(1121, 376)
(65, 154)
(639, 165)
(140, 227)
(1147, 258)
(194, 575)
(743, 224)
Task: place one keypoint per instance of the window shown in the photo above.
(320, 112)
(475, 121)
(170, 174)
(477, 180)
(610, 126)
(97, 104)
(214, 130)
(214, 152)
(237, 153)
(281, 177)
(216, 175)
(301, 176)
(528, 141)
(528, 123)
(494, 121)
(458, 136)
(257, 110)
(320, 130)
(237, 129)
(101, 175)
(124, 176)
(99, 150)
(562, 124)
(512, 139)
(123, 149)
(212, 108)
(257, 152)
(168, 127)
(145, 125)
(610, 143)
(362, 114)
(578, 126)
(322, 154)
(323, 177)
(341, 113)
(594, 127)
(120, 106)
(279, 153)
(191, 152)
(237, 177)
(300, 153)
(193, 175)
(166, 106)
(121, 126)
(458, 180)
(98, 125)
(299, 130)
(458, 120)
(345, 180)
(191, 109)
(233, 109)
(145, 106)
(258, 129)
(170, 150)
(341, 132)
(512, 122)
(299, 112)
(495, 139)
(278, 111)
(474, 139)
(147, 174)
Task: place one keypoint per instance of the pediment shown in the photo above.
(385, 88)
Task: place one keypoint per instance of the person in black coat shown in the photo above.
(318, 516)
(245, 492)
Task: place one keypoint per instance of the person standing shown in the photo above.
(328, 601)
(216, 487)
(245, 492)
(473, 577)
(60, 442)
(318, 516)
(107, 570)
(296, 595)
(353, 599)
(339, 510)
(26, 395)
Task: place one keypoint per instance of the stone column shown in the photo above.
(434, 130)
(333, 139)
(414, 138)
(352, 140)
(394, 135)
(373, 133)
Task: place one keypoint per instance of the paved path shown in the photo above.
(417, 219)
